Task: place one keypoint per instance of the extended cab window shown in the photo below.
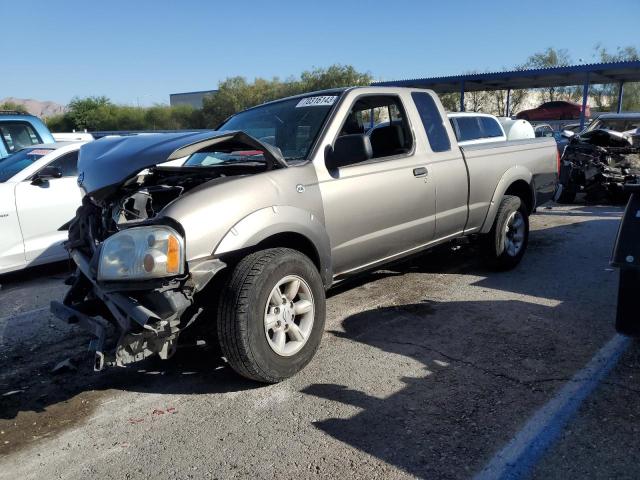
(18, 135)
(384, 121)
(432, 122)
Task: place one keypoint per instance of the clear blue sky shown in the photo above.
(142, 50)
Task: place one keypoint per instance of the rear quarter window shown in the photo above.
(469, 128)
(432, 122)
(490, 127)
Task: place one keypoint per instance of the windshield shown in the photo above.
(617, 124)
(207, 158)
(291, 125)
(19, 161)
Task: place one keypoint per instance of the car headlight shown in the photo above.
(142, 252)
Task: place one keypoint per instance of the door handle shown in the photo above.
(420, 172)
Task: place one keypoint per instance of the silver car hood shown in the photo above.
(105, 164)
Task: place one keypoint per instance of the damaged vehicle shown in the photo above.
(601, 160)
(238, 244)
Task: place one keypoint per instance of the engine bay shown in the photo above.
(142, 197)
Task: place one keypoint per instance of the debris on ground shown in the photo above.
(12, 392)
(64, 366)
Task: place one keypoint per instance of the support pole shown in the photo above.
(620, 94)
(462, 96)
(585, 97)
(508, 106)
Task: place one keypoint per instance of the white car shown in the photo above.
(473, 128)
(38, 196)
(72, 137)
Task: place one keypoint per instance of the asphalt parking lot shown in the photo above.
(427, 369)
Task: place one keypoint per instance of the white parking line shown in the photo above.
(522, 453)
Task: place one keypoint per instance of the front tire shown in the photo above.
(271, 315)
(507, 241)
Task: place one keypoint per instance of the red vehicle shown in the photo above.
(559, 110)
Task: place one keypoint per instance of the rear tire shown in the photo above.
(271, 315)
(507, 241)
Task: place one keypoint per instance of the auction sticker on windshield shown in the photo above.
(42, 152)
(317, 101)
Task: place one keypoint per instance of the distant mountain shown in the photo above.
(36, 107)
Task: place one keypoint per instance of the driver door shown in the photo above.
(378, 208)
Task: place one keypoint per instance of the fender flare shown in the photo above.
(509, 177)
(267, 222)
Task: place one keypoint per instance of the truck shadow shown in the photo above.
(485, 366)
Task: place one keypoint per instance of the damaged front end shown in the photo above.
(133, 275)
(599, 163)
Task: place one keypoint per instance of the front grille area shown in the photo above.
(89, 228)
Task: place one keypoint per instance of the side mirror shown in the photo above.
(50, 171)
(347, 150)
(568, 133)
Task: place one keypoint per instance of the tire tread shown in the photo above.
(234, 307)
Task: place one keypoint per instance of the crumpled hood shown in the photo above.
(105, 164)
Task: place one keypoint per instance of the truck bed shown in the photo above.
(487, 164)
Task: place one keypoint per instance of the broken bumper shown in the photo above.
(96, 326)
(148, 320)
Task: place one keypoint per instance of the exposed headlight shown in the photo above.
(140, 253)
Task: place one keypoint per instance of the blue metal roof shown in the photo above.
(614, 72)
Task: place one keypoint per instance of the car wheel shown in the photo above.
(271, 315)
(508, 238)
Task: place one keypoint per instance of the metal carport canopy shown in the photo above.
(616, 72)
(585, 75)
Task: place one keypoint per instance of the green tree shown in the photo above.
(17, 107)
(92, 113)
(497, 101)
(450, 101)
(605, 96)
(332, 77)
(99, 113)
(487, 101)
(236, 93)
(551, 58)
